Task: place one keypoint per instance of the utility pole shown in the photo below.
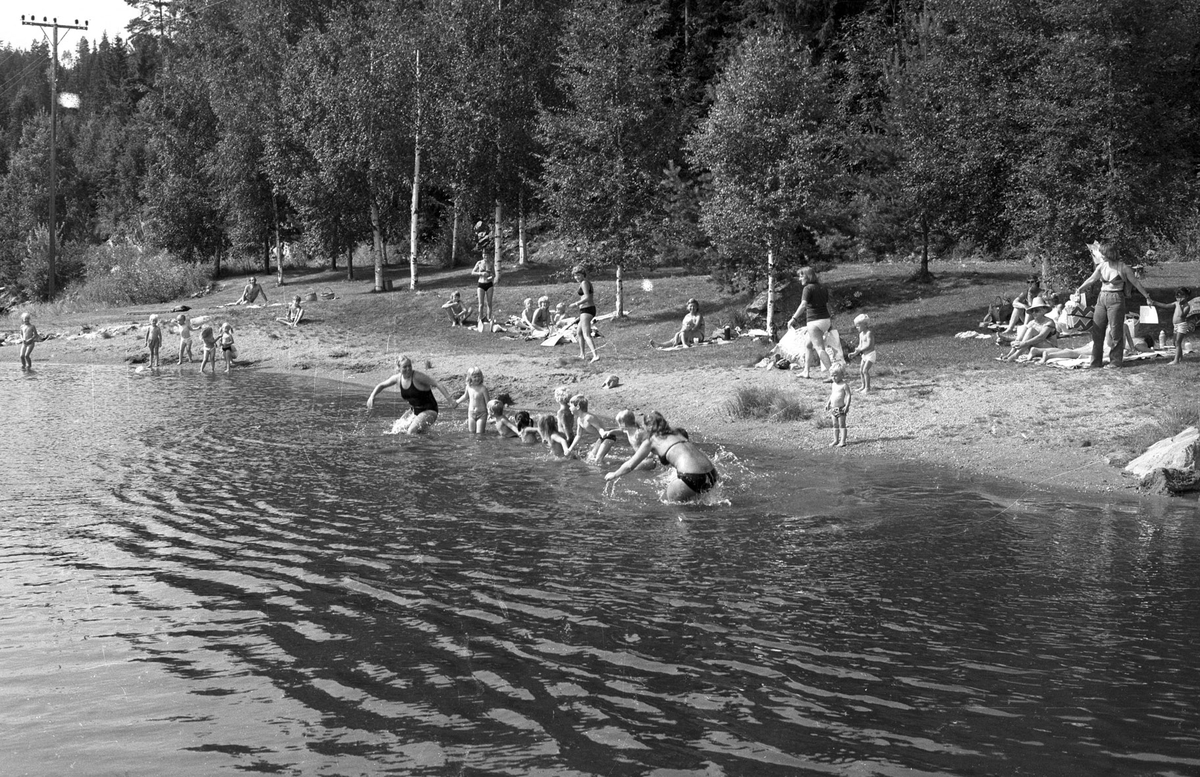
(54, 26)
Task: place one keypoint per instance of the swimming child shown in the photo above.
(29, 338)
(551, 436)
(500, 422)
(564, 417)
(154, 341)
(184, 327)
(865, 350)
(1183, 327)
(226, 342)
(457, 311)
(209, 354)
(587, 426)
(525, 427)
(476, 394)
(839, 403)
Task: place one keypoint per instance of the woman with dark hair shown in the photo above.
(485, 273)
(814, 307)
(694, 471)
(417, 389)
(587, 311)
(691, 331)
(1116, 278)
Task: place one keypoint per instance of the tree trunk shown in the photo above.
(350, 263)
(266, 254)
(521, 231)
(771, 293)
(620, 294)
(377, 239)
(497, 242)
(279, 258)
(416, 189)
(454, 235)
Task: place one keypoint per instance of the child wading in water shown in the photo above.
(29, 338)
(154, 342)
(209, 354)
(185, 337)
(476, 394)
(838, 404)
(865, 350)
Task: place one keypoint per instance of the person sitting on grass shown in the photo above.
(691, 331)
(1020, 312)
(251, 292)
(457, 311)
(1039, 331)
(295, 313)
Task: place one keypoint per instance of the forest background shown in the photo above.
(738, 138)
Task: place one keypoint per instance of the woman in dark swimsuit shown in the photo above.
(417, 389)
(587, 311)
(694, 471)
(814, 307)
(485, 271)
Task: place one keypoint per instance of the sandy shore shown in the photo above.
(1036, 426)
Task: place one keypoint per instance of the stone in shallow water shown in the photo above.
(1175, 453)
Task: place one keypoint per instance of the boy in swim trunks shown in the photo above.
(838, 404)
(865, 350)
(185, 337)
(1183, 327)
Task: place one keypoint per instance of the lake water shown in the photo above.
(232, 574)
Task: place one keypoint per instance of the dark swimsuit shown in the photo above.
(586, 310)
(420, 401)
(697, 482)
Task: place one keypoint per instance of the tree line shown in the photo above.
(739, 137)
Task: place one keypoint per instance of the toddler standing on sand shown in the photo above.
(154, 342)
(838, 404)
(1182, 326)
(865, 350)
(29, 337)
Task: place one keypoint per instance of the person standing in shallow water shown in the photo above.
(417, 389)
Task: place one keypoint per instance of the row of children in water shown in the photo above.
(211, 339)
(565, 432)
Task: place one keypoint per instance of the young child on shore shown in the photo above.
(551, 436)
(209, 353)
(154, 342)
(29, 338)
(476, 395)
(865, 350)
(295, 312)
(457, 311)
(184, 327)
(564, 417)
(227, 347)
(838, 404)
(527, 313)
(1179, 319)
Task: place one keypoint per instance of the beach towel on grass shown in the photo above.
(1084, 361)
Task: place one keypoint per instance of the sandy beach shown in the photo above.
(937, 399)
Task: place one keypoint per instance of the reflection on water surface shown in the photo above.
(244, 573)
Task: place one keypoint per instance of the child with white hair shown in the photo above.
(865, 350)
(154, 341)
(838, 405)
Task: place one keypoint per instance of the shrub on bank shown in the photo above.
(766, 403)
(127, 274)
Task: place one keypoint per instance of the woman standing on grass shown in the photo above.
(417, 389)
(694, 471)
(1116, 279)
(587, 311)
(814, 306)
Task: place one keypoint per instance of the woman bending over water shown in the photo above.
(694, 471)
(417, 389)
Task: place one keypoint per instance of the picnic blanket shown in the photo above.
(1083, 361)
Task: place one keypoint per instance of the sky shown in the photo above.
(102, 16)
